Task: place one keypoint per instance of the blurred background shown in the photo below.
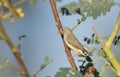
(43, 39)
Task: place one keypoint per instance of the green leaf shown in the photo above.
(83, 18)
(91, 8)
(5, 63)
(46, 60)
(68, 72)
(45, 63)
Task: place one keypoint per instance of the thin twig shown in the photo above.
(59, 26)
(100, 38)
(109, 53)
(41, 68)
(76, 25)
(10, 7)
(14, 51)
(36, 73)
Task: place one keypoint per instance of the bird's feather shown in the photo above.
(74, 41)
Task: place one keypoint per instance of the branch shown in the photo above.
(59, 26)
(8, 5)
(14, 51)
(114, 33)
(36, 73)
(109, 54)
(76, 25)
(97, 35)
(43, 65)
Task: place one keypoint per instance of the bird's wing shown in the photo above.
(75, 42)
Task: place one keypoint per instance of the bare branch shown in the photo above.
(14, 51)
(114, 33)
(100, 38)
(59, 25)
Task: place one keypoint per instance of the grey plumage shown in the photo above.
(73, 43)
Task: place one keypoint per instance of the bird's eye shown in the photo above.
(86, 53)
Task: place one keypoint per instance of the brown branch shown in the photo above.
(41, 67)
(100, 38)
(59, 26)
(14, 51)
(8, 5)
(36, 73)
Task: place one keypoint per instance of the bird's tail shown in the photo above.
(88, 58)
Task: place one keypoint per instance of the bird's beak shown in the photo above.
(92, 69)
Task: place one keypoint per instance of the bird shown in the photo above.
(73, 43)
(90, 71)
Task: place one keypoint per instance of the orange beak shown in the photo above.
(92, 69)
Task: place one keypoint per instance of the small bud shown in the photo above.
(19, 11)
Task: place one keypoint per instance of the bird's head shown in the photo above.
(90, 70)
(66, 30)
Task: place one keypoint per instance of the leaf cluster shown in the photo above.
(9, 11)
(87, 8)
(68, 72)
(93, 39)
(45, 63)
(4, 62)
